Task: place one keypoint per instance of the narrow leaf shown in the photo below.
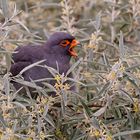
(121, 47)
(74, 66)
(100, 111)
(4, 6)
(30, 66)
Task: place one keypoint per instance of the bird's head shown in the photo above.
(63, 42)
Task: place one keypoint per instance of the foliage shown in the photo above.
(107, 71)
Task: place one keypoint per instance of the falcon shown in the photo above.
(56, 52)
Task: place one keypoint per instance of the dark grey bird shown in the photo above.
(56, 52)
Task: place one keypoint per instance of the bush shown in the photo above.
(107, 71)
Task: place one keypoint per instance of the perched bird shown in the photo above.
(56, 52)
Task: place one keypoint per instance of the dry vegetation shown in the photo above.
(106, 105)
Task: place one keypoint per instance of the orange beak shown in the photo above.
(73, 44)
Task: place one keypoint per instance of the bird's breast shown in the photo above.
(58, 62)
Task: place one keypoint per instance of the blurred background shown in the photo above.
(107, 70)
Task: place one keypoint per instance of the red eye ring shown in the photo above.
(64, 43)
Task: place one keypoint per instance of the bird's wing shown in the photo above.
(17, 67)
(21, 58)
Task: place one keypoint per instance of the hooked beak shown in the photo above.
(73, 44)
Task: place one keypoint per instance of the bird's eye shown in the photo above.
(64, 43)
